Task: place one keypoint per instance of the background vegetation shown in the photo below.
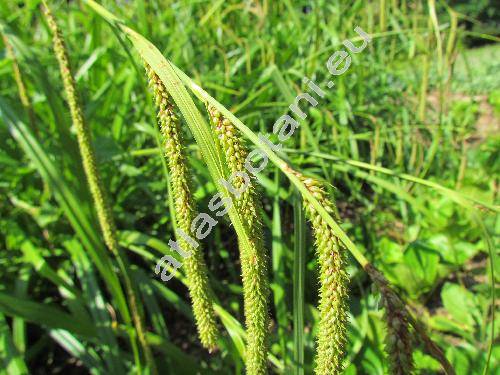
(409, 131)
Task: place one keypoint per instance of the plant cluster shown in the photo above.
(395, 172)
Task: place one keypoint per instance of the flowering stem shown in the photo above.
(94, 181)
(196, 269)
(253, 257)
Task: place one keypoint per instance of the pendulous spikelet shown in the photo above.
(196, 270)
(398, 340)
(21, 87)
(253, 258)
(94, 181)
(236, 153)
(333, 309)
(83, 135)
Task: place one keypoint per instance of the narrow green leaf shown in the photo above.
(278, 263)
(67, 200)
(299, 268)
(45, 315)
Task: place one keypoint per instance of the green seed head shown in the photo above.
(97, 190)
(21, 88)
(332, 334)
(99, 196)
(196, 270)
(398, 343)
(253, 259)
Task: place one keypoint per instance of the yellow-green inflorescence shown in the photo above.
(196, 270)
(398, 344)
(253, 257)
(101, 202)
(333, 278)
(84, 138)
(21, 88)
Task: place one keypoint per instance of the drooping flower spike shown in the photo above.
(253, 258)
(99, 195)
(196, 270)
(333, 279)
(398, 344)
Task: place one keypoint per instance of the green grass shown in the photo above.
(414, 186)
(476, 70)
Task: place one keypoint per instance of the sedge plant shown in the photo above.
(99, 195)
(196, 270)
(328, 241)
(398, 346)
(333, 279)
(253, 257)
(21, 86)
(224, 153)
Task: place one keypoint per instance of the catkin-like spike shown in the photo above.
(196, 270)
(236, 153)
(253, 259)
(398, 340)
(94, 181)
(21, 88)
(333, 309)
(83, 135)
